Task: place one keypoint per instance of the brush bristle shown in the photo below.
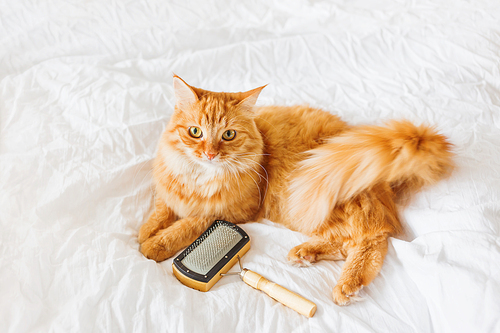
(210, 248)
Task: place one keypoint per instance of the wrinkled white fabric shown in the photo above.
(85, 92)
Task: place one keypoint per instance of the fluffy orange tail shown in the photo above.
(400, 153)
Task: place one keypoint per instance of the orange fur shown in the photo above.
(360, 158)
(299, 166)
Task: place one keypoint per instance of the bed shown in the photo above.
(86, 91)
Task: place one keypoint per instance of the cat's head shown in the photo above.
(215, 129)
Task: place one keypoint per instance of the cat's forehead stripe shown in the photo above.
(215, 109)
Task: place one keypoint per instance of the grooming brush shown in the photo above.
(213, 254)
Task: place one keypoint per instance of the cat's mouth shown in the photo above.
(214, 161)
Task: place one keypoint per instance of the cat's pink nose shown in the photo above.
(210, 155)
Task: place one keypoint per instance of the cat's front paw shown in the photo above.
(157, 248)
(345, 293)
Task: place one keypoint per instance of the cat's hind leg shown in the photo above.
(364, 261)
(161, 218)
(316, 249)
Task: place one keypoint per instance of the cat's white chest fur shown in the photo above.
(201, 178)
(204, 188)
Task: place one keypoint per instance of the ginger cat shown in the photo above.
(222, 158)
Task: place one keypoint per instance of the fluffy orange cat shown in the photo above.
(222, 158)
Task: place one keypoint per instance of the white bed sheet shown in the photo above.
(85, 92)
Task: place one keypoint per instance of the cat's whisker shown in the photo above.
(264, 169)
(147, 175)
(238, 180)
(260, 178)
(258, 188)
(250, 175)
(138, 171)
(250, 154)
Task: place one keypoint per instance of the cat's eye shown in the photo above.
(229, 135)
(195, 132)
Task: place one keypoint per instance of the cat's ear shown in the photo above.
(184, 94)
(249, 98)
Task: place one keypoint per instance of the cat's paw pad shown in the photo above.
(153, 248)
(347, 293)
(300, 256)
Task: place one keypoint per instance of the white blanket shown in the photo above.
(85, 92)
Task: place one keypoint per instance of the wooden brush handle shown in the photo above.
(279, 293)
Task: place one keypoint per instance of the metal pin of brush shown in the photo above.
(213, 254)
